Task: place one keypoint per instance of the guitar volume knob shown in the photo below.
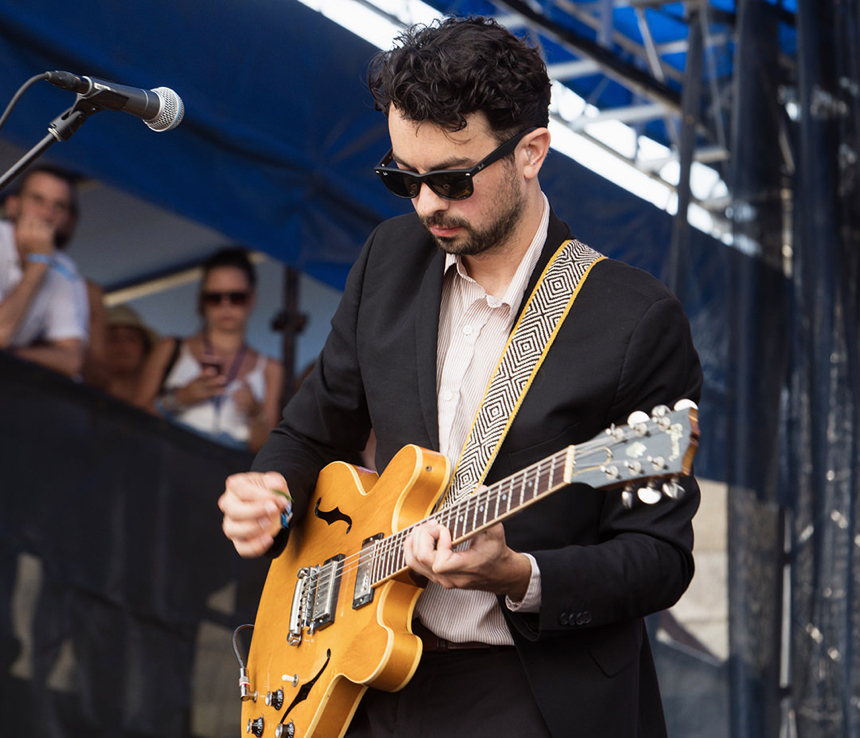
(256, 727)
(285, 731)
(275, 699)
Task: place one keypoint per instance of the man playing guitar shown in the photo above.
(535, 627)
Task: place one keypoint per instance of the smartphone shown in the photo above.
(211, 363)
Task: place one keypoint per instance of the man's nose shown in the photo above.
(428, 202)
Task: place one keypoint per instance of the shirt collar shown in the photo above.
(514, 293)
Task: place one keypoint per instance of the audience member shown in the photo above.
(129, 342)
(94, 371)
(44, 313)
(213, 382)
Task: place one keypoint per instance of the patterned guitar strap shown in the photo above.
(525, 351)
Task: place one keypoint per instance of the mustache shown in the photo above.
(439, 221)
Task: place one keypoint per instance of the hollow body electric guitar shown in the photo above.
(336, 610)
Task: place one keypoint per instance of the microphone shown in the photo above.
(161, 109)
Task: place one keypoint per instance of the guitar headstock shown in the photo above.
(646, 456)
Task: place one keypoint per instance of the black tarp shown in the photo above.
(112, 551)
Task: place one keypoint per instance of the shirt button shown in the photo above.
(448, 395)
(467, 330)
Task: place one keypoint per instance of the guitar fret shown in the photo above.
(378, 570)
(458, 527)
(389, 560)
(485, 504)
(395, 552)
(522, 487)
(551, 476)
(529, 483)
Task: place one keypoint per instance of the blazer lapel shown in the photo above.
(426, 340)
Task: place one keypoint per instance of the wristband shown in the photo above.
(40, 259)
(52, 263)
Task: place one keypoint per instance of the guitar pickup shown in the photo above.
(324, 589)
(363, 593)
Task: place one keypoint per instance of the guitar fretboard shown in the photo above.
(481, 510)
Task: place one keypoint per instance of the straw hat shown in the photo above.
(125, 316)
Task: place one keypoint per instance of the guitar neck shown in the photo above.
(487, 507)
(646, 449)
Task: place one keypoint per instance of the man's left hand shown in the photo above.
(487, 564)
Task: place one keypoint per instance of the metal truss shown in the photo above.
(667, 63)
(632, 57)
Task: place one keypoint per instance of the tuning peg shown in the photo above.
(686, 405)
(638, 421)
(659, 411)
(610, 471)
(635, 467)
(673, 489)
(615, 432)
(657, 462)
(649, 495)
(627, 497)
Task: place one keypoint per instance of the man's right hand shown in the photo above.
(252, 504)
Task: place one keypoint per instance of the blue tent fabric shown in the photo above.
(279, 139)
(279, 136)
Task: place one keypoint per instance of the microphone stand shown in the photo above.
(65, 126)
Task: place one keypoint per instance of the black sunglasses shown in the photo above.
(234, 298)
(449, 184)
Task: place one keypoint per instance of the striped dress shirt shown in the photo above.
(473, 330)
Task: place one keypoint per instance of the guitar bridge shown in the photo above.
(363, 594)
(315, 598)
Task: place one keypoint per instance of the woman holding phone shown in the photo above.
(213, 382)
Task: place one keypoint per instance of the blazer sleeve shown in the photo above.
(637, 561)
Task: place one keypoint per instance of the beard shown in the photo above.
(479, 241)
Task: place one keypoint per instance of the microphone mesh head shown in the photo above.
(171, 112)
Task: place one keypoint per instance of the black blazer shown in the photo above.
(624, 346)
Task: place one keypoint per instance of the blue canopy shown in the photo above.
(279, 134)
(280, 137)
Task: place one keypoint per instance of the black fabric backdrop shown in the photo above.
(117, 512)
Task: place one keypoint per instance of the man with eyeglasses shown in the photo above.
(536, 628)
(44, 308)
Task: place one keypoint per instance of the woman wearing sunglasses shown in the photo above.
(213, 382)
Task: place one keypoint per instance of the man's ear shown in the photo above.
(537, 146)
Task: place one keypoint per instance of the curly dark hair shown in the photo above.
(452, 68)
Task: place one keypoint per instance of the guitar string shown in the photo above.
(392, 544)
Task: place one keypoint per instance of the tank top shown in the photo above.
(219, 420)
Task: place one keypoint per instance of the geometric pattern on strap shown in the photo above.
(523, 355)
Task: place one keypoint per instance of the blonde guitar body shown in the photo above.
(318, 675)
(336, 612)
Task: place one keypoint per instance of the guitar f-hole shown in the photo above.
(332, 516)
